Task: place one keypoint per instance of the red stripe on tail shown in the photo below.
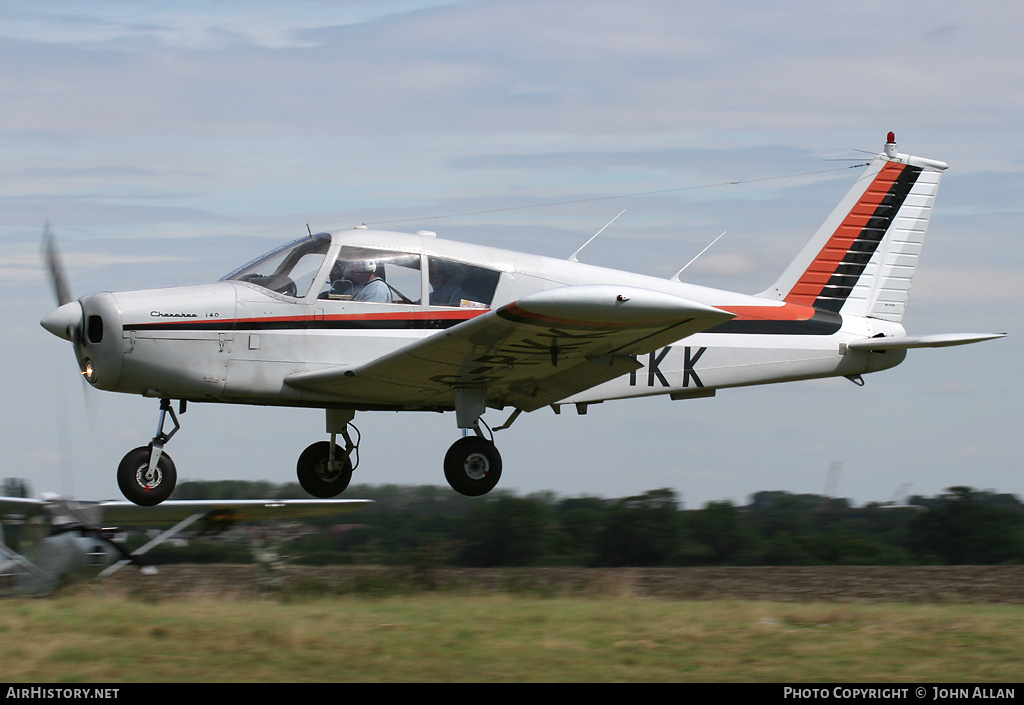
(807, 289)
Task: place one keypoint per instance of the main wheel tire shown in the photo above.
(141, 486)
(472, 466)
(315, 474)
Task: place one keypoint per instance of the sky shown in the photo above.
(167, 143)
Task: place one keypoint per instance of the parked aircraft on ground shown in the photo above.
(364, 320)
(43, 541)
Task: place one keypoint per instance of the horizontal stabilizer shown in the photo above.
(906, 342)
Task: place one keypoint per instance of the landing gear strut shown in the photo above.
(472, 465)
(146, 475)
(324, 469)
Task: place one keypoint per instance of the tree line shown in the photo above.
(408, 524)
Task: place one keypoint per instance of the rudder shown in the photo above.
(862, 258)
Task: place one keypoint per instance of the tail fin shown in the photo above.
(861, 260)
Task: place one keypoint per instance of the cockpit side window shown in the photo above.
(374, 276)
(288, 270)
(459, 284)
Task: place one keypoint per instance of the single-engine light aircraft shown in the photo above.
(43, 541)
(364, 320)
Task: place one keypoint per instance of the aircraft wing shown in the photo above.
(531, 353)
(19, 504)
(171, 511)
(17, 509)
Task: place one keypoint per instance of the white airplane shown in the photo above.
(42, 541)
(363, 320)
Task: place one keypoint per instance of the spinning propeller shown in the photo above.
(66, 321)
(60, 282)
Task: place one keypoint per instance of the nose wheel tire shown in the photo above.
(316, 474)
(140, 485)
(472, 466)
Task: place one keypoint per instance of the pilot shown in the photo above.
(445, 283)
(367, 284)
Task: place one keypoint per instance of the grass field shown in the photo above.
(85, 637)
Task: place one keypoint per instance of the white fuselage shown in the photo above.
(237, 341)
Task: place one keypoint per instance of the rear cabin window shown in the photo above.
(460, 285)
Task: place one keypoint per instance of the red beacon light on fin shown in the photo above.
(890, 145)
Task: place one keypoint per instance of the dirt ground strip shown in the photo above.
(916, 584)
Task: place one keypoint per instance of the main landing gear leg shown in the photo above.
(472, 465)
(146, 474)
(324, 470)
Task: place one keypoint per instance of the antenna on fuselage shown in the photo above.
(308, 230)
(675, 277)
(573, 257)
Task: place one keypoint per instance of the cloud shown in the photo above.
(170, 142)
(194, 25)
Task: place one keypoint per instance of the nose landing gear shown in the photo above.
(144, 485)
(146, 475)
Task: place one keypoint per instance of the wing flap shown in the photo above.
(530, 353)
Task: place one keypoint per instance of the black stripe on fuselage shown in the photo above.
(821, 323)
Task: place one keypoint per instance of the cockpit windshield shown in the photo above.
(288, 270)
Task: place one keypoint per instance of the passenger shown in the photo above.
(445, 283)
